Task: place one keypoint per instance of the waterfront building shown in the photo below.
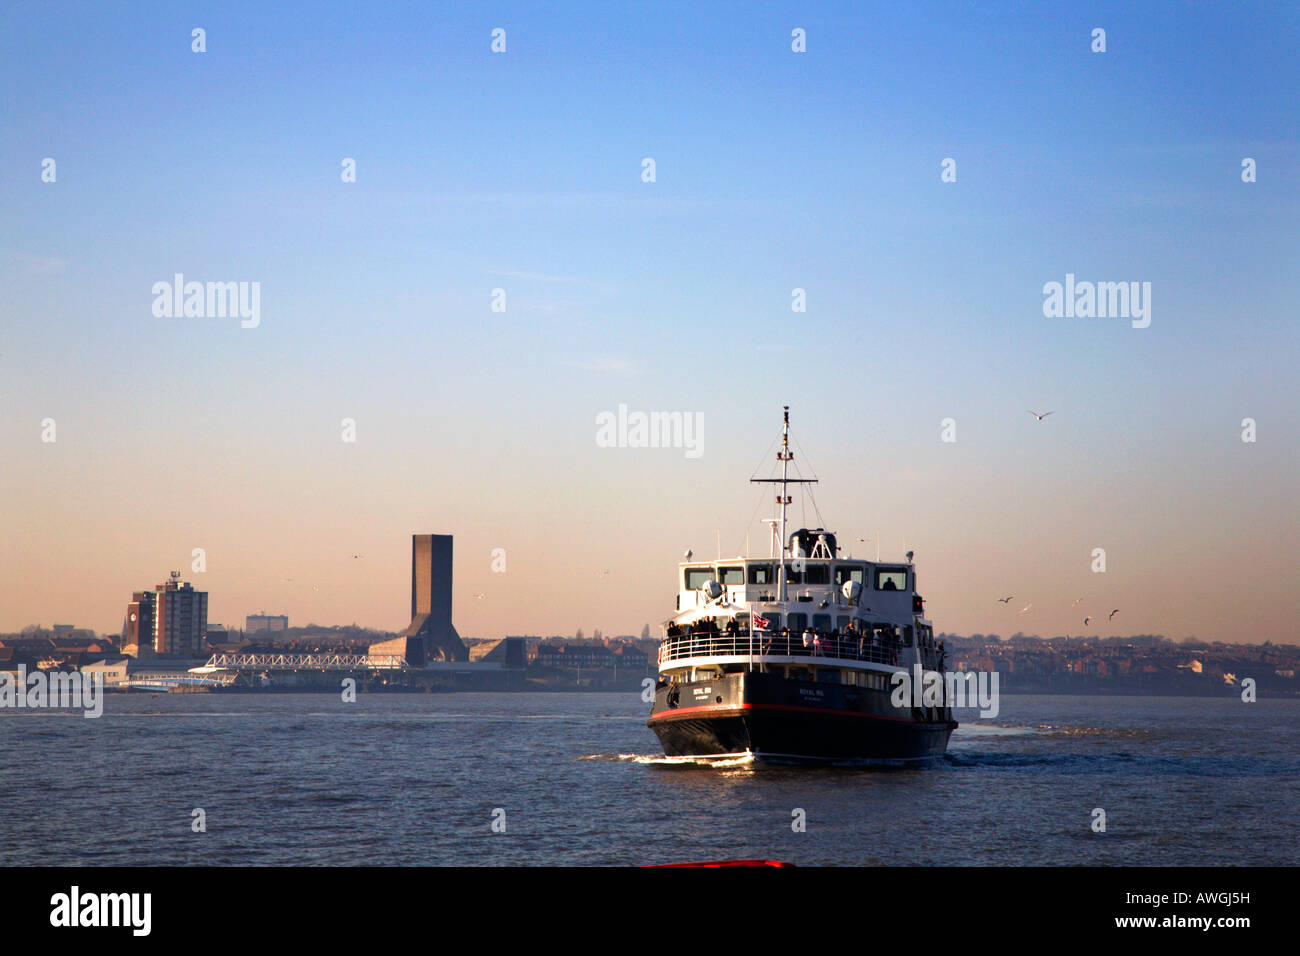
(180, 618)
(266, 622)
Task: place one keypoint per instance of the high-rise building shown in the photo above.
(266, 622)
(180, 618)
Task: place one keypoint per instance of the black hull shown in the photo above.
(776, 718)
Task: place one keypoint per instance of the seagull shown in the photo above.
(356, 555)
(1026, 608)
(479, 596)
(1086, 620)
(1005, 599)
(689, 553)
(601, 574)
(1113, 613)
(1038, 416)
(1077, 602)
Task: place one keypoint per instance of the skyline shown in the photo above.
(775, 171)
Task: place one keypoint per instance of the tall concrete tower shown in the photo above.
(430, 635)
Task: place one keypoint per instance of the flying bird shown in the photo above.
(1086, 620)
(1005, 599)
(601, 574)
(1026, 608)
(1113, 613)
(1038, 416)
(1077, 602)
(356, 555)
(480, 596)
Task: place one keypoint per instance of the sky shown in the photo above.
(774, 170)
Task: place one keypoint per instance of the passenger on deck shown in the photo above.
(674, 630)
(733, 627)
(808, 637)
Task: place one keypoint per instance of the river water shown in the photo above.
(578, 779)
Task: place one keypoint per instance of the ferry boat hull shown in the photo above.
(774, 717)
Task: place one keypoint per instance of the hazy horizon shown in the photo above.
(774, 171)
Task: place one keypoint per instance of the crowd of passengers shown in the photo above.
(816, 643)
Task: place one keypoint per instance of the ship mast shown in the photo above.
(784, 456)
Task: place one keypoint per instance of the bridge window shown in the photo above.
(848, 572)
(732, 575)
(891, 579)
(796, 622)
(811, 574)
(817, 574)
(762, 574)
(695, 577)
(822, 622)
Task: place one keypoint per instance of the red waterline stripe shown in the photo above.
(725, 710)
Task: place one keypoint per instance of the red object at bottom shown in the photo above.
(725, 863)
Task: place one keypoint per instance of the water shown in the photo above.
(414, 779)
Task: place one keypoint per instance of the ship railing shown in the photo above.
(762, 644)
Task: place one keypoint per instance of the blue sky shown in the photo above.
(775, 170)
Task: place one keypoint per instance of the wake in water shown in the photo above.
(750, 762)
(992, 730)
(661, 760)
(971, 730)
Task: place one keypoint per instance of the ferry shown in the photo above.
(795, 657)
